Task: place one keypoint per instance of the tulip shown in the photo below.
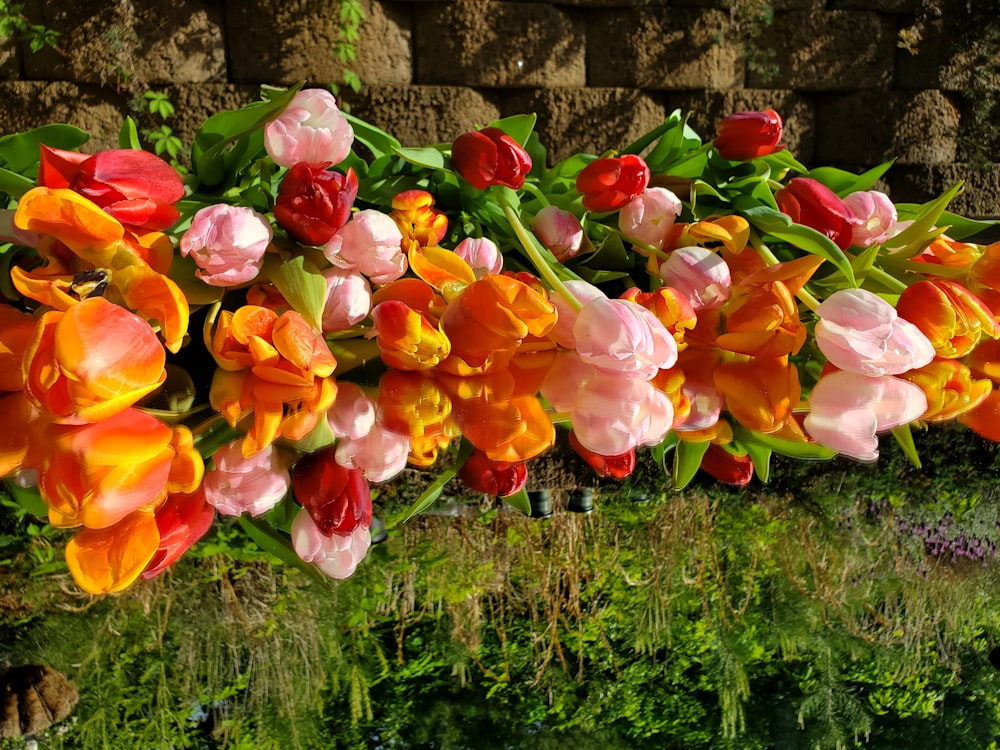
(227, 243)
(704, 406)
(482, 255)
(109, 560)
(490, 157)
(861, 333)
(406, 338)
(811, 203)
(414, 404)
(847, 410)
(559, 231)
(700, 275)
(17, 329)
(619, 467)
(92, 361)
(370, 244)
(984, 419)
(743, 136)
(875, 217)
(23, 439)
(949, 388)
(136, 187)
(381, 454)
(649, 217)
(983, 277)
(584, 292)
(311, 129)
(348, 299)
(499, 478)
(314, 202)
(246, 484)
(669, 306)
(731, 468)
(418, 220)
(608, 184)
(337, 498)
(760, 392)
(336, 555)
(353, 414)
(952, 317)
(9, 232)
(181, 521)
(623, 338)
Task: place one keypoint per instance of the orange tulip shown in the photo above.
(22, 443)
(984, 419)
(949, 388)
(984, 277)
(951, 316)
(108, 560)
(417, 219)
(92, 361)
(16, 332)
(407, 339)
(760, 392)
(670, 307)
(413, 404)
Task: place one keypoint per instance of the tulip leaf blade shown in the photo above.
(843, 182)
(924, 227)
(959, 227)
(518, 127)
(128, 135)
(792, 448)
(642, 142)
(519, 501)
(303, 286)
(687, 461)
(28, 498)
(278, 545)
(904, 438)
(428, 157)
(761, 457)
(19, 152)
(374, 139)
(14, 184)
(435, 488)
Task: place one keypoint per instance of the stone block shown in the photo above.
(293, 41)
(10, 62)
(98, 110)
(662, 49)
(821, 50)
(591, 120)
(196, 102)
(869, 127)
(487, 43)
(422, 115)
(879, 6)
(958, 51)
(979, 199)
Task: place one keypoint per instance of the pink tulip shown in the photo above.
(860, 332)
(381, 454)
(610, 414)
(560, 232)
(336, 555)
(370, 243)
(847, 410)
(227, 243)
(700, 275)
(238, 485)
(353, 413)
(621, 337)
(584, 292)
(706, 406)
(348, 299)
(311, 129)
(876, 217)
(649, 218)
(482, 255)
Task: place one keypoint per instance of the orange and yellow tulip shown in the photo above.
(952, 317)
(950, 389)
(420, 223)
(406, 338)
(760, 392)
(413, 404)
(109, 560)
(16, 332)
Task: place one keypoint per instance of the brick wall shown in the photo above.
(597, 72)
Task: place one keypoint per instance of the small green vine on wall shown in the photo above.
(351, 16)
(13, 23)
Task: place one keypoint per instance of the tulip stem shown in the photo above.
(887, 279)
(536, 193)
(534, 255)
(769, 258)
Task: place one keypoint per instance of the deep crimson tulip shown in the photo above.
(490, 157)
(502, 478)
(608, 184)
(182, 520)
(812, 204)
(746, 135)
(339, 500)
(136, 187)
(619, 466)
(313, 202)
(727, 467)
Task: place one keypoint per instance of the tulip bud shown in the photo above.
(619, 467)
(370, 244)
(336, 555)
(811, 203)
(560, 232)
(482, 474)
(239, 484)
(952, 317)
(608, 184)
(726, 467)
(227, 243)
(348, 299)
(311, 129)
(313, 202)
(482, 255)
(181, 521)
(700, 275)
(337, 499)
(875, 214)
(490, 157)
(649, 217)
(746, 135)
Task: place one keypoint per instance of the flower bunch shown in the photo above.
(291, 321)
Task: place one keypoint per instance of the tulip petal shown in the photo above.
(104, 561)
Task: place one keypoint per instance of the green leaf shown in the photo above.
(301, 283)
(212, 435)
(687, 461)
(430, 157)
(518, 127)
(128, 135)
(433, 491)
(674, 148)
(761, 457)
(646, 139)
(375, 140)
(790, 448)
(277, 544)
(29, 498)
(659, 452)
(14, 184)
(222, 130)
(905, 440)
(519, 501)
(959, 227)
(783, 160)
(925, 226)
(843, 183)
(19, 152)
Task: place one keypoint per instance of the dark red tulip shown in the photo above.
(619, 466)
(746, 135)
(608, 184)
(727, 467)
(814, 205)
(490, 157)
(483, 474)
(314, 202)
(136, 187)
(182, 520)
(338, 499)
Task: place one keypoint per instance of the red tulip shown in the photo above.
(490, 157)
(608, 184)
(727, 467)
(619, 466)
(746, 135)
(502, 478)
(812, 204)
(338, 499)
(182, 520)
(313, 202)
(136, 187)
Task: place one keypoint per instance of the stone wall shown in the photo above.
(597, 72)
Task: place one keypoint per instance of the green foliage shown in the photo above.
(345, 49)
(13, 23)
